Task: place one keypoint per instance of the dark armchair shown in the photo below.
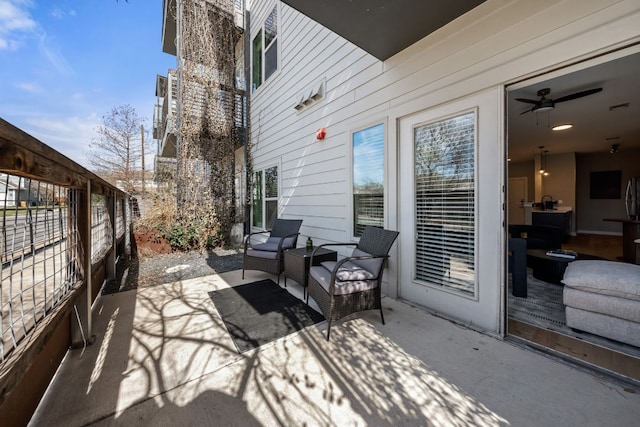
(518, 266)
(353, 283)
(268, 256)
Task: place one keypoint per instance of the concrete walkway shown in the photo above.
(163, 357)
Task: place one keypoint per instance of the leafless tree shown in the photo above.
(117, 148)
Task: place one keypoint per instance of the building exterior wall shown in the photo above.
(497, 43)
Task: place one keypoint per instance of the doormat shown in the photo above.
(260, 312)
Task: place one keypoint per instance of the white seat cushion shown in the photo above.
(287, 244)
(616, 279)
(262, 254)
(373, 265)
(348, 271)
(323, 276)
(622, 308)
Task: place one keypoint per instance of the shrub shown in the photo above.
(197, 230)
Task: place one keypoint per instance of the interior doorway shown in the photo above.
(518, 198)
(595, 98)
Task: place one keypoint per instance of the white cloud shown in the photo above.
(16, 25)
(53, 54)
(61, 14)
(58, 13)
(15, 20)
(30, 87)
(68, 135)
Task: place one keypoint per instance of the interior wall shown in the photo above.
(591, 212)
(560, 184)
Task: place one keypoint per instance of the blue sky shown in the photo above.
(65, 63)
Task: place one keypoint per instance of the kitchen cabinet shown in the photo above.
(554, 218)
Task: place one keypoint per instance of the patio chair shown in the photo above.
(269, 255)
(353, 283)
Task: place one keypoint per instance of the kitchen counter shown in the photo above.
(559, 209)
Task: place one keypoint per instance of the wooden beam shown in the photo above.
(22, 154)
(17, 160)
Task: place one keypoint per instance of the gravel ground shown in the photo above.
(156, 269)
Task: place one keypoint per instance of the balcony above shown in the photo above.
(385, 27)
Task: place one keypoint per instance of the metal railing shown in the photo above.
(63, 229)
(39, 255)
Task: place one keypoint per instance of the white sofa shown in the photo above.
(603, 298)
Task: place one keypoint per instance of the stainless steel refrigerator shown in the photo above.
(632, 198)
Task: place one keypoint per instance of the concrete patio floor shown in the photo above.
(162, 356)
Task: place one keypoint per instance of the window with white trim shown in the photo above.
(265, 198)
(368, 178)
(264, 51)
(445, 202)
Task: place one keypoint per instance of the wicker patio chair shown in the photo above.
(353, 283)
(269, 255)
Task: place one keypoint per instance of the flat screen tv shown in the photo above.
(605, 185)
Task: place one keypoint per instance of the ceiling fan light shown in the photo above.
(564, 126)
(543, 108)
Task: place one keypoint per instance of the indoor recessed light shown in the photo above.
(563, 127)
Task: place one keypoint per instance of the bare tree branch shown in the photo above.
(117, 148)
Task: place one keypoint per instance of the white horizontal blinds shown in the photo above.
(445, 202)
(368, 210)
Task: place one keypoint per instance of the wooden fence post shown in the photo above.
(81, 324)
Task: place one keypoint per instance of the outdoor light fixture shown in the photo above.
(562, 127)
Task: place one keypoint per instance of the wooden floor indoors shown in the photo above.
(608, 247)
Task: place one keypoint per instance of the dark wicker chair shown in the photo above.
(353, 283)
(269, 255)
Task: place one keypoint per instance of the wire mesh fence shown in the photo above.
(120, 216)
(40, 265)
(101, 231)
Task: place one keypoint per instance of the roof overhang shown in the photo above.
(383, 27)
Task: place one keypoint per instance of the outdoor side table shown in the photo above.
(297, 263)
